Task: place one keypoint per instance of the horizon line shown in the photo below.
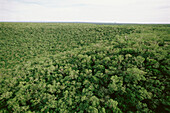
(99, 22)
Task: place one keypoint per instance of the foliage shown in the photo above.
(84, 68)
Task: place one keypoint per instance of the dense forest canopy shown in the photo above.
(59, 67)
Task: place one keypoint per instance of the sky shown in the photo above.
(119, 11)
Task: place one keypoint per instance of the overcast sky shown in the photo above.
(141, 11)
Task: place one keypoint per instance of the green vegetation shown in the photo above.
(68, 68)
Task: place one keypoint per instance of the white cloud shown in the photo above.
(86, 10)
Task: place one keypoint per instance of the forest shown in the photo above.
(84, 68)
